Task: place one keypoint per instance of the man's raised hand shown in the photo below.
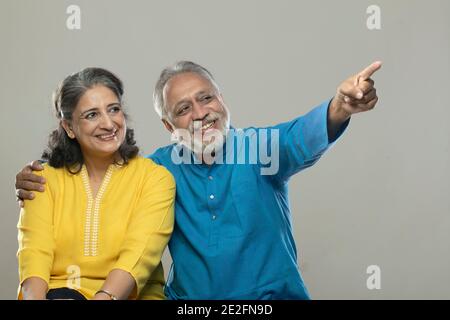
(356, 94)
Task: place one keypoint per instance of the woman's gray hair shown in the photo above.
(66, 97)
(168, 73)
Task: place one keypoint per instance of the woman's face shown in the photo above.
(98, 123)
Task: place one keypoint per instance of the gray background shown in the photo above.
(379, 197)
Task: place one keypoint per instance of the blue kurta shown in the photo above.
(233, 233)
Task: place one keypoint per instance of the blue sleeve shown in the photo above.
(154, 157)
(302, 141)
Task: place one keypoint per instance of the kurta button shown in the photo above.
(214, 217)
(211, 196)
(210, 177)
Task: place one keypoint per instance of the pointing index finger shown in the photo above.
(369, 71)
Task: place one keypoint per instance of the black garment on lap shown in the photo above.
(64, 293)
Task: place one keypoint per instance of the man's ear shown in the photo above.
(168, 125)
(68, 128)
(221, 98)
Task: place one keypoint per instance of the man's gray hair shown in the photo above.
(168, 73)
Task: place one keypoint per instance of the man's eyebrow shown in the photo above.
(180, 103)
(201, 92)
(206, 91)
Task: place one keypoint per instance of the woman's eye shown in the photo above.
(114, 110)
(91, 115)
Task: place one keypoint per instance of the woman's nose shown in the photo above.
(106, 122)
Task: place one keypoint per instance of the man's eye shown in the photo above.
(182, 110)
(206, 98)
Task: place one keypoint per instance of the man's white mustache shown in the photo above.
(198, 124)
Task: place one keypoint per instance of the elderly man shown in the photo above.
(233, 235)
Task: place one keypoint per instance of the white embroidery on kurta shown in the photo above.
(92, 219)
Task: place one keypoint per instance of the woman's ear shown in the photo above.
(68, 128)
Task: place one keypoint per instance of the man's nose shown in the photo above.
(199, 112)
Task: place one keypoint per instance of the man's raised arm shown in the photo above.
(356, 94)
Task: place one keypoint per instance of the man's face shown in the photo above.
(192, 102)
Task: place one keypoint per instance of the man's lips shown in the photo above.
(207, 128)
(208, 125)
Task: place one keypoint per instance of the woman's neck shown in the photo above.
(97, 167)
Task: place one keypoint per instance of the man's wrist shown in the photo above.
(337, 114)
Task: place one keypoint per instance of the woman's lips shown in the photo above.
(107, 137)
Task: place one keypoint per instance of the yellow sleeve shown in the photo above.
(35, 235)
(150, 227)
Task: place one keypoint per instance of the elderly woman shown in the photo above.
(99, 229)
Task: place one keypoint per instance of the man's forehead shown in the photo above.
(186, 84)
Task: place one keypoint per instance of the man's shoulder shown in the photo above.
(247, 131)
(162, 155)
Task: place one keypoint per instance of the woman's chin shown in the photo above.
(105, 153)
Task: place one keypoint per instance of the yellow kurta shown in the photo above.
(69, 239)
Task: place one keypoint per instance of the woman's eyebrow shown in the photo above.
(89, 110)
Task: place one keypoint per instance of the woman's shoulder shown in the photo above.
(61, 172)
(54, 177)
(150, 169)
(50, 172)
